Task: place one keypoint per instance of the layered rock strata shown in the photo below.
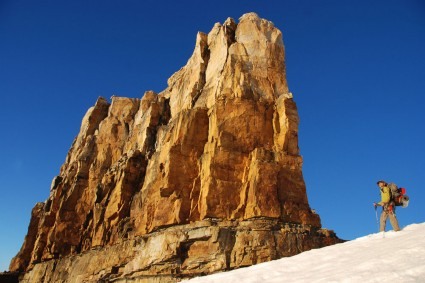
(203, 177)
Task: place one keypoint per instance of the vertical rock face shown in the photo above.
(203, 177)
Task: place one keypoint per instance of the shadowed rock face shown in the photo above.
(203, 177)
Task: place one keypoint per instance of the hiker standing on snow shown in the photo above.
(388, 207)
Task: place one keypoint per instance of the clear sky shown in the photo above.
(356, 69)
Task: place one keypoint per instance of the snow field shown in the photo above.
(395, 256)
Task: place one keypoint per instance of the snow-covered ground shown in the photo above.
(382, 257)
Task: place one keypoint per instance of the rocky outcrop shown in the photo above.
(203, 177)
(183, 251)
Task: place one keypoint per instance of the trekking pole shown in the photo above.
(376, 214)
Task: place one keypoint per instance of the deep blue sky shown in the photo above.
(356, 69)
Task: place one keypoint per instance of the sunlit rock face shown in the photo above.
(203, 177)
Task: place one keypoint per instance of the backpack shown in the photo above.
(398, 195)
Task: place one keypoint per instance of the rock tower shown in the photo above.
(203, 177)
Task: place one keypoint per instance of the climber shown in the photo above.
(388, 207)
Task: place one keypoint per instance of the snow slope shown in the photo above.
(382, 257)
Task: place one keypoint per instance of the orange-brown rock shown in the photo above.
(203, 177)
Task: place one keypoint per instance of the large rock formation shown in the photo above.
(202, 177)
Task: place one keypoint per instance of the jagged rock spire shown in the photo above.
(202, 177)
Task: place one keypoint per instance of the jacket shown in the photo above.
(385, 196)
